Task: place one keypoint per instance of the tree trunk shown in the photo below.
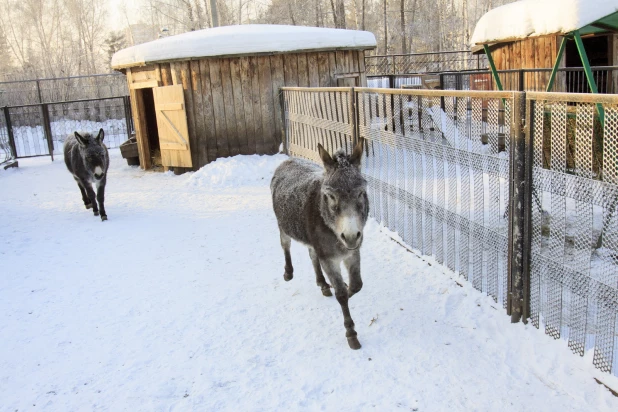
(402, 11)
(291, 13)
(363, 16)
(208, 14)
(334, 10)
(213, 13)
(341, 14)
(385, 31)
(466, 31)
(412, 20)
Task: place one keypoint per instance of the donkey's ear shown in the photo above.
(100, 136)
(357, 153)
(83, 141)
(329, 163)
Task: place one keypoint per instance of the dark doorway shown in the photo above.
(597, 51)
(151, 126)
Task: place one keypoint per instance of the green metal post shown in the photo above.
(591, 83)
(492, 66)
(556, 64)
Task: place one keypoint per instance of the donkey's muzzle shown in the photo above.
(351, 241)
(99, 177)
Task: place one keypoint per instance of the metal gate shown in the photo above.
(40, 129)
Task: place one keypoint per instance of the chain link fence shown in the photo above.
(40, 129)
(432, 62)
(26, 92)
(516, 194)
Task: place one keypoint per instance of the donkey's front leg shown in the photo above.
(93, 197)
(352, 264)
(101, 197)
(319, 276)
(286, 243)
(341, 293)
(85, 197)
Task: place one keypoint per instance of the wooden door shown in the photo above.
(169, 104)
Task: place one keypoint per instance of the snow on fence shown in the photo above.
(40, 129)
(513, 201)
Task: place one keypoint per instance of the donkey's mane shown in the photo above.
(342, 159)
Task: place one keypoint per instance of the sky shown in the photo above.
(116, 18)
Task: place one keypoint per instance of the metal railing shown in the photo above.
(568, 80)
(24, 92)
(516, 192)
(433, 62)
(40, 129)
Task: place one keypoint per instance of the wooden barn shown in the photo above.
(546, 34)
(214, 93)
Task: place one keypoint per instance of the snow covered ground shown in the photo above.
(178, 303)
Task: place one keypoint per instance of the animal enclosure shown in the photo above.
(446, 171)
(230, 78)
(40, 129)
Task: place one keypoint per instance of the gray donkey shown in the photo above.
(87, 159)
(326, 210)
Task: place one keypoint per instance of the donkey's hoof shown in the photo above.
(287, 276)
(326, 291)
(354, 343)
(89, 206)
(96, 213)
(103, 218)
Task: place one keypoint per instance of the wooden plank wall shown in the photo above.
(540, 52)
(233, 104)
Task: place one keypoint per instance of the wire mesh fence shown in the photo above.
(451, 172)
(395, 82)
(40, 129)
(437, 178)
(6, 152)
(25, 92)
(574, 242)
(424, 63)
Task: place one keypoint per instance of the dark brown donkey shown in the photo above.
(326, 210)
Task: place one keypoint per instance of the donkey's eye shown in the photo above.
(361, 194)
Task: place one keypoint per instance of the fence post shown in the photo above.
(47, 130)
(518, 189)
(9, 130)
(441, 77)
(285, 125)
(522, 86)
(38, 90)
(127, 114)
(354, 116)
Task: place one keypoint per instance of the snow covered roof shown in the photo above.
(242, 40)
(533, 18)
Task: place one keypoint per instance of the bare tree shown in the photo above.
(385, 33)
